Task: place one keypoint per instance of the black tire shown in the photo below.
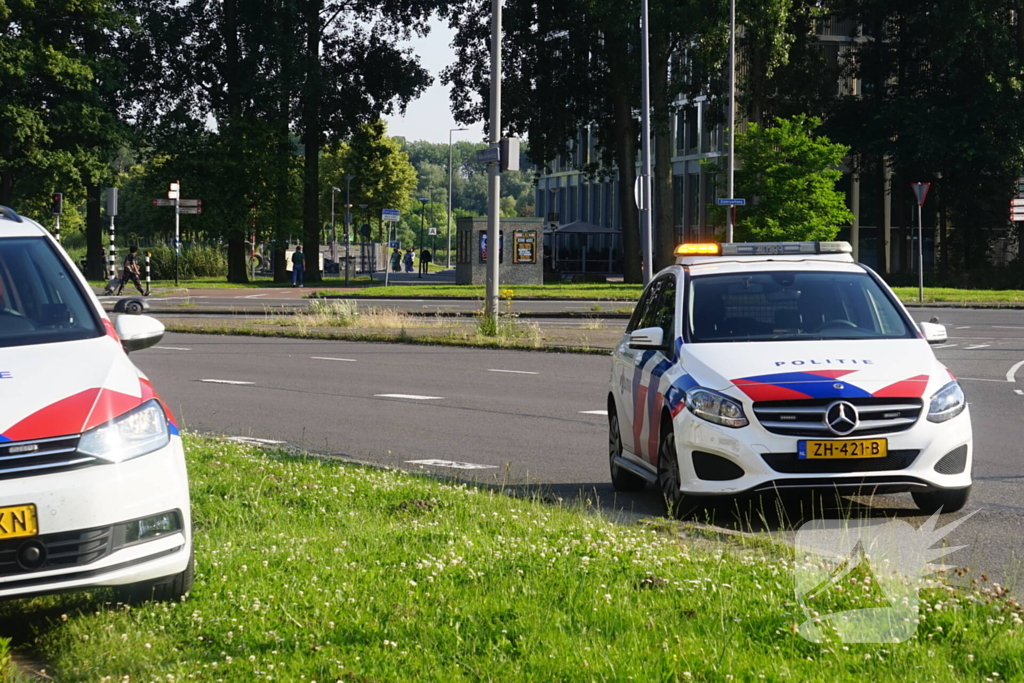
(168, 590)
(948, 500)
(677, 504)
(622, 480)
(133, 307)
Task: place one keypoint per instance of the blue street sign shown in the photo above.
(390, 215)
(732, 202)
(491, 155)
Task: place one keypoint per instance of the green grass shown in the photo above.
(604, 292)
(313, 570)
(949, 295)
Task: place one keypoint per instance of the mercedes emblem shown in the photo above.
(841, 418)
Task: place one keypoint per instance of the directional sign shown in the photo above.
(190, 202)
(491, 155)
(735, 201)
(190, 209)
(390, 215)
(1017, 217)
(1017, 202)
(163, 202)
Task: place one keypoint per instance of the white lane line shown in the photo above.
(964, 327)
(452, 464)
(345, 360)
(1010, 374)
(515, 372)
(1019, 392)
(254, 441)
(945, 346)
(981, 379)
(593, 412)
(255, 296)
(172, 348)
(224, 381)
(1007, 327)
(976, 346)
(413, 397)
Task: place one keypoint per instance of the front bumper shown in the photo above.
(78, 513)
(716, 460)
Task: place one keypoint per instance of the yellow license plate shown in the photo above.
(827, 450)
(17, 521)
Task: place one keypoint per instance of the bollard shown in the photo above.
(113, 251)
(148, 254)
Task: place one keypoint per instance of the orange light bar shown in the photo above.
(698, 250)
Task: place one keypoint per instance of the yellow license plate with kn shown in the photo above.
(830, 450)
(17, 521)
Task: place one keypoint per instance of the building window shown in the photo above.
(692, 130)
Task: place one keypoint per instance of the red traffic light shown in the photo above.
(58, 203)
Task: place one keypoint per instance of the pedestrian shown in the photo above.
(298, 266)
(130, 271)
(408, 260)
(396, 261)
(425, 262)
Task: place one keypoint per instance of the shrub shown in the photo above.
(197, 261)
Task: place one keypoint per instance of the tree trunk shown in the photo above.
(624, 133)
(6, 187)
(311, 137)
(237, 271)
(94, 266)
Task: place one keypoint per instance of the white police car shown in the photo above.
(778, 366)
(93, 488)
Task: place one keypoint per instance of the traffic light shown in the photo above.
(58, 203)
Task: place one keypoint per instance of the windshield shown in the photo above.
(791, 305)
(40, 301)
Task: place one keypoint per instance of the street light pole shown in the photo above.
(494, 171)
(646, 235)
(423, 218)
(334, 233)
(348, 218)
(731, 210)
(452, 130)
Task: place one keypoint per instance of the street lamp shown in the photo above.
(731, 184)
(348, 218)
(423, 218)
(453, 130)
(334, 233)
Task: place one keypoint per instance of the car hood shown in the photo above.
(49, 390)
(782, 371)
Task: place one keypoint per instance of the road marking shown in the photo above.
(515, 372)
(253, 441)
(593, 412)
(977, 346)
(1019, 392)
(965, 327)
(224, 381)
(1007, 327)
(172, 348)
(346, 360)
(981, 379)
(1010, 374)
(452, 464)
(412, 397)
(255, 296)
(945, 346)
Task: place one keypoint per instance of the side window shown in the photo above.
(644, 311)
(665, 310)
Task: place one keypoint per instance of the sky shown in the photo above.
(430, 117)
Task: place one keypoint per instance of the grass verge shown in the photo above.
(600, 292)
(313, 570)
(960, 296)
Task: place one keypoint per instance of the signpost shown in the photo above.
(389, 216)
(732, 203)
(433, 240)
(1017, 203)
(921, 194)
(186, 206)
(190, 209)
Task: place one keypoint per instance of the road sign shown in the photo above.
(390, 215)
(190, 202)
(190, 209)
(431, 231)
(491, 155)
(1017, 217)
(163, 202)
(920, 192)
(172, 190)
(732, 201)
(642, 192)
(1017, 202)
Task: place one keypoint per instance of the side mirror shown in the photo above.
(647, 338)
(138, 332)
(933, 333)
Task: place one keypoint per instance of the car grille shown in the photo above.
(41, 456)
(807, 417)
(62, 550)
(790, 463)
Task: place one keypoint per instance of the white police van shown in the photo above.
(93, 486)
(779, 366)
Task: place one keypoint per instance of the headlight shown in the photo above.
(138, 432)
(947, 403)
(714, 407)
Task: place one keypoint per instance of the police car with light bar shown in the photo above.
(781, 366)
(93, 485)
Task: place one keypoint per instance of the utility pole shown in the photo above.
(453, 130)
(423, 217)
(731, 210)
(348, 218)
(494, 169)
(334, 232)
(646, 234)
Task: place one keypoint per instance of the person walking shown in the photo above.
(130, 271)
(425, 262)
(298, 266)
(396, 261)
(408, 260)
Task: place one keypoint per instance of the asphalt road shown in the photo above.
(519, 418)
